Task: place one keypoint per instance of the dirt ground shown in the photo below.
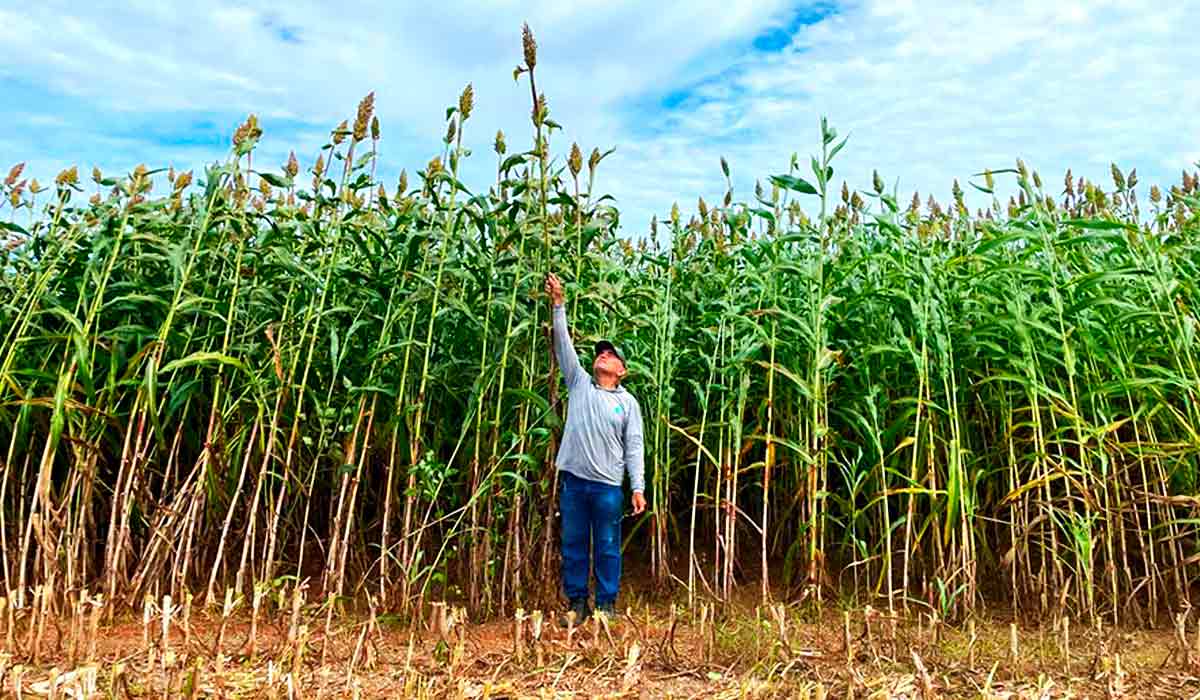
(647, 651)
(652, 648)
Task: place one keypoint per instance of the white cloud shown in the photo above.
(928, 90)
(933, 91)
(312, 62)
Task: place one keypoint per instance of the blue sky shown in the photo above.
(929, 91)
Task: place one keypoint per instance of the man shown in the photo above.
(601, 441)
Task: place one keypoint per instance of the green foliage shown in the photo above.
(201, 384)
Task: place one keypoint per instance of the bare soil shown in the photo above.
(647, 651)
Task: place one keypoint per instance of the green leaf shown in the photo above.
(512, 162)
(204, 358)
(58, 419)
(536, 399)
(1098, 224)
(838, 148)
(796, 184)
(275, 180)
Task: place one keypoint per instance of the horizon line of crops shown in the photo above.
(247, 383)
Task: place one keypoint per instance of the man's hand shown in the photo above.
(554, 289)
(639, 503)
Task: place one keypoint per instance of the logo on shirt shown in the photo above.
(617, 409)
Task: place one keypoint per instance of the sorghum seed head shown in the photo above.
(363, 119)
(1118, 178)
(856, 201)
(16, 173)
(594, 160)
(956, 190)
(529, 45)
(915, 205)
(265, 188)
(702, 208)
(845, 192)
(675, 214)
(97, 176)
(293, 165)
(1068, 184)
(499, 143)
(724, 166)
(247, 131)
(70, 176)
(95, 199)
(1132, 179)
(1022, 169)
(1155, 194)
(319, 167)
(451, 130)
(466, 101)
(435, 167)
(375, 128)
(575, 160)
(183, 180)
(402, 185)
(339, 134)
(540, 110)
(877, 182)
(1037, 180)
(989, 179)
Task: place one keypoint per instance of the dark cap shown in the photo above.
(603, 345)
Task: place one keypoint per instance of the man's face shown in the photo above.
(608, 363)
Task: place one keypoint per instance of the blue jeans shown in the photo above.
(591, 514)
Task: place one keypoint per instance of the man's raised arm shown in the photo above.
(564, 349)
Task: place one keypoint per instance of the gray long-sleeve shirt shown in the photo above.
(603, 435)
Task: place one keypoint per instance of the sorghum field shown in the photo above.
(286, 430)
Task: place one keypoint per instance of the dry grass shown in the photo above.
(648, 652)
